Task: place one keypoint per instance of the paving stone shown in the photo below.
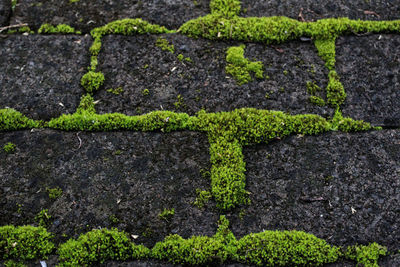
(369, 68)
(135, 63)
(128, 176)
(341, 187)
(5, 11)
(314, 10)
(40, 75)
(86, 15)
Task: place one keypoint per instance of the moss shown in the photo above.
(115, 91)
(240, 67)
(366, 256)
(285, 248)
(25, 243)
(346, 124)
(23, 29)
(92, 81)
(73, 1)
(316, 100)
(54, 193)
(97, 246)
(335, 91)
(202, 198)
(9, 147)
(59, 29)
(165, 45)
(11, 119)
(13, 263)
(326, 50)
(225, 8)
(312, 88)
(13, 4)
(145, 92)
(43, 218)
(167, 214)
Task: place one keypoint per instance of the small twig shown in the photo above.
(13, 26)
(300, 16)
(80, 140)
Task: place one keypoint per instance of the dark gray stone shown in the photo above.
(5, 11)
(86, 15)
(136, 63)
(369, 69)
(131, 176)
(341, 187)
(40, 75)
(314, 10)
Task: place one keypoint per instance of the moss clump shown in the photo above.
(165, 45)
(346, 124)
(25, 243)
(285, 248)
(11, 119)
(316, 100)
(43, 218)
(240, 67)
(97, 246)
(59, 29)
(92, 81)
(54, 193)
(335, 91)
(167, 214)
(145, 92)
(202, 198)
(225, 8)
(115, 91)
(23, 29)
(312, 88)
(326, 50)
(367, 256)
(9, 147)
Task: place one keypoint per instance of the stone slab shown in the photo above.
(369, 69)
(341, 187)
(40, 75)
(5, 11)
(135, 63)
(313, 10)
(118, 179)
(85, 15)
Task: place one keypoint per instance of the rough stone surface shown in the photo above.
(135, 63)
(341, 187)
(120, 179)
(314, 10)
(86, 15)
(5, 11)
(369, 68)
(37, 73)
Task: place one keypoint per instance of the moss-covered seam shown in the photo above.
(11, 119)
(59, 29)
(97, 246)
(240, 67)
(92, 80)
(25, 243)
(367, 256)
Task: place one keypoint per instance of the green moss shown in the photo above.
(145, 92)
(25, 243)
(115, 91)
(335, 91)
(73, 1)
(167, 214)
(9, 147)
(202, 198)
(285, 248)
(11, 119)
(240, 67)
(13, 263)
(326, 50)
(13, 4)
(54, 193)
(59, 29)
(366, 256)
(316, 100)
(43, 218)
(97, 246)
(92, 81)
(279, 29)
(23, 29)
(348, 124)
(180, 102)
(312, 88)
(165, 45)
(225, 8)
